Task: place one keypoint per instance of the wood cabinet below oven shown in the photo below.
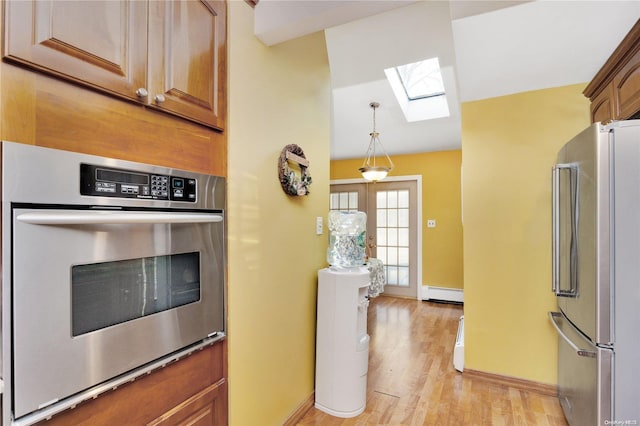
(208, 407)
(192, 390)
(167, 55)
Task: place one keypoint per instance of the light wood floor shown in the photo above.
(411, 379)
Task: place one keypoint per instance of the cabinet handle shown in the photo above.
(159, 99)
(142, 92)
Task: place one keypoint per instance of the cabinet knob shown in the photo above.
(142, 92)
(159, 99)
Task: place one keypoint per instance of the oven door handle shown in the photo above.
(110, 217)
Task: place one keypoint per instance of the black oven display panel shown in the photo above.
(110, 182)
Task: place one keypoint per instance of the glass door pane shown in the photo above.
(392, 233)
(392, 212)
(345, 199)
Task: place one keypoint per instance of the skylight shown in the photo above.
(421, 79)
(419, 88)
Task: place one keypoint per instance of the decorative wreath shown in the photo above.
(291, 182)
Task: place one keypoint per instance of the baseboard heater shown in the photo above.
(442, 294)
(458, 349)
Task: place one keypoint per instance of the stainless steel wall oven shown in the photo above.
(110, 269)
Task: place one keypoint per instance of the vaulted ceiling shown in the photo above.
(485, 48)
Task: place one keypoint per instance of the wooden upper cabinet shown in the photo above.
(167, 54)
(101, 44)
(626, 86)
(602, 106)
(615, 90)
(187, 58)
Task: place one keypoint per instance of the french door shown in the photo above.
(392, 228)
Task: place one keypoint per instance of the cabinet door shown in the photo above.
(207, 408)
(603, 106)
(626, 84)
(187, 59)
(97, 43)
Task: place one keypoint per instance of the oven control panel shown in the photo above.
(111, 182)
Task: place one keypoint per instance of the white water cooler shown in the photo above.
(342, 342)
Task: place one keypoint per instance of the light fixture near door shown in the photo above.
(371, 170)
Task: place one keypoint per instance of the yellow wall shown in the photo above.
(442, 245)
(509, 145)
(277, 96)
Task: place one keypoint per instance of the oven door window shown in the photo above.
(110, 293)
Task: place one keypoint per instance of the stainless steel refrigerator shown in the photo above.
(596, 274)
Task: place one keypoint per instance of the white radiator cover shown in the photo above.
(458, 349)
(444, 294)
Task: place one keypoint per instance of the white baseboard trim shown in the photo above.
(442, 293)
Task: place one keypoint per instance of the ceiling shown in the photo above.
(485, 48)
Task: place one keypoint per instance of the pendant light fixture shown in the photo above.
(370, 170)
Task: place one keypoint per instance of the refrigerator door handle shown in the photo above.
(579, 352)
(556, 229)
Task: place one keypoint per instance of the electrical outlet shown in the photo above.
(431, 223)
(319, 225)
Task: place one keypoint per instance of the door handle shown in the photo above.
(573, 249)
(579, 352)
(110, 217)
